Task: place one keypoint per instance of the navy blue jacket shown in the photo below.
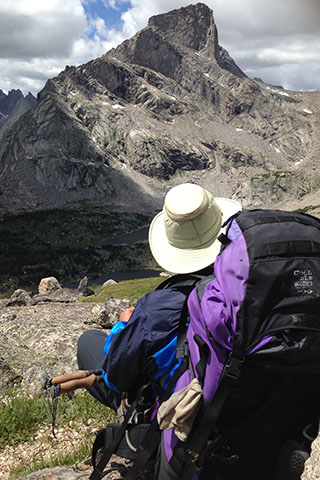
(145, 347)
(152, 326)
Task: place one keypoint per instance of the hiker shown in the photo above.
(253, 368)
(251, 378)
(155, 319)
(254, 348)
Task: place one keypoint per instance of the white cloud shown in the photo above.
(28, 75)
(101, 27)
(278, 41)
(110, 3)
(31, 28)
(37, 40)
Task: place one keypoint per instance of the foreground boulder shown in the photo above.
(108, 314)
(48, 285)
(115, 470)
(312, 466)
(83, 288)
(18, 298)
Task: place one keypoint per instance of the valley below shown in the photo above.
(69, 245)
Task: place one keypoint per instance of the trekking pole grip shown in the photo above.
(70, 376)
(86, 382)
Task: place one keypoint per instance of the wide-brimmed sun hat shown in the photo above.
(183, 236)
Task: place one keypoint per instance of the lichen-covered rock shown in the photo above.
(115, 470)
(109, 282)
(83, 288)
(114, 307)
(312, 465)
(40, 340)
(48, 285)
(108, 314)
(8, 376)
(99, 314)
(63, 295)
(18, 298)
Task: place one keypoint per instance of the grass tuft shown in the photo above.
(21, 416)
(130, 289)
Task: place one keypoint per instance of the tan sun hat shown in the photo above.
(183, 236)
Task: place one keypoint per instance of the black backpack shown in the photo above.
(270, 396)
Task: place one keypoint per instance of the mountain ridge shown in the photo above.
(12, 106)
(154, 111)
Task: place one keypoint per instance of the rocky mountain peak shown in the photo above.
(168, 38)
(192, 26)
(12, 106)
(8, 102)
(168, 104)
(30, 97)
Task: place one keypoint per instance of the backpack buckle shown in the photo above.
(182, 350)
(232, 368)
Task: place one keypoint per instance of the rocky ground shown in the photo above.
(44, 446)
(38, 338)
(38, 335)
(115, 470)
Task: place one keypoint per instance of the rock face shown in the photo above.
(167, 105)
(12, 106)
(312, 465)
(115, 469)
(39, 339)
(8, 102)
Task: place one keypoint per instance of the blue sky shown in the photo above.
(276, 40)
(110, 14)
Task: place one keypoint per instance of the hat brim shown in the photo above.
(180, 260)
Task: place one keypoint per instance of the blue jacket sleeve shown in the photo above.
(152, 325)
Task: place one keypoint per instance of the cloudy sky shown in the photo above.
(276, 40)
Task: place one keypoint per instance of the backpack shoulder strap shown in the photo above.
(184, 460)
(185, 282)
(98, 469)
(153, 435)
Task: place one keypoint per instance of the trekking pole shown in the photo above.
(70, 382)
(67, 383)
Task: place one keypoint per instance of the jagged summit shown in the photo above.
(12, 106)
(164, 44)
(9, 101)
(193, 27)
